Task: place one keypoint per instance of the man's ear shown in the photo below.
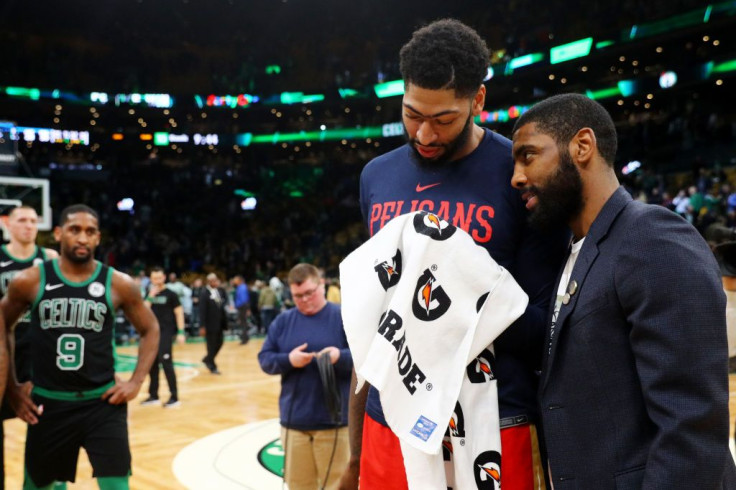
(57, 233)
(583, 146)
(479, 100)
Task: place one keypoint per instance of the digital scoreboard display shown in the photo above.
(7, 143)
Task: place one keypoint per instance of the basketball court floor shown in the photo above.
(223, 436)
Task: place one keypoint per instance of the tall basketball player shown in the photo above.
(19, 253)
(76, 399)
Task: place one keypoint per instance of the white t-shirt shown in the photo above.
(562, 286)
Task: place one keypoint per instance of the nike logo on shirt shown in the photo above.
(5, 264)
(421, 187)
(50, 287)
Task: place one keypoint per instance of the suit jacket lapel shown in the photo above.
(588, 254)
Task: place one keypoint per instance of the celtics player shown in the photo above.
(76, 400)
(170, 315)
(19, 253)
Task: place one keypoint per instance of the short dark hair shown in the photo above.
(157, 268)
(76, 208)
(301, 272)
(445, 54)
(562, 116)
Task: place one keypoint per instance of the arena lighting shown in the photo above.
(248, 204)
(570, 51)
(159, 101)
(231, 101)
(161, 139)
(604, 44)
(300, 98)
(23, 92)
(627, 87)
(146, 137)
(724, 67)
(126, 204)
(273, 70)
(392, 129)
(631, 167)
(117, 136)
(603, 93)
(694, 17)
(348, 93)
(706, 15)
(389, 89)
(501, 115)
(48, 135)
(667, 79)
(99, 97)
(521, 61)
(243, 193)
(326, 135)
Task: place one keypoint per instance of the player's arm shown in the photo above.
(127, 297)
(356, 414)
(179, 316)
(50, 253)
(21, 293)
(356, 405)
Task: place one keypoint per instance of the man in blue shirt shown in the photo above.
(242, 305)
(314, 430)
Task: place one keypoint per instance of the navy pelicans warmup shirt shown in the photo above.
(475, 194)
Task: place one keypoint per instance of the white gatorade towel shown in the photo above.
(421, 305)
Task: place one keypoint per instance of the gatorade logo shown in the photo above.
(487, 467)
(389, 273)
(457, 422)
(481, 369)
(431, 225)
(430, 300)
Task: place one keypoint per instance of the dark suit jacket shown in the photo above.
(212, 315)
(634, 387)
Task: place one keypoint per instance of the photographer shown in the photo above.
(307, 346)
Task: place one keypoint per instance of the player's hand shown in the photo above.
(333, 351)
(298, 358)
(181, 339)
(349, 479)
(122, 392)
(19, 397)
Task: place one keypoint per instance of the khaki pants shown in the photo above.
(308, 454)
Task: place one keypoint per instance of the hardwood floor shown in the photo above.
(210, 403)
(243, 394)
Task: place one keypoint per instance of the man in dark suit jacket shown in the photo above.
(634, 386)
(213, 318)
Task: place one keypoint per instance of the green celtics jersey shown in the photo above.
(10, 266)
(72, 331)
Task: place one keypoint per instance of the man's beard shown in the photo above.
(561, 198)
(72, 257)
(449, 148)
